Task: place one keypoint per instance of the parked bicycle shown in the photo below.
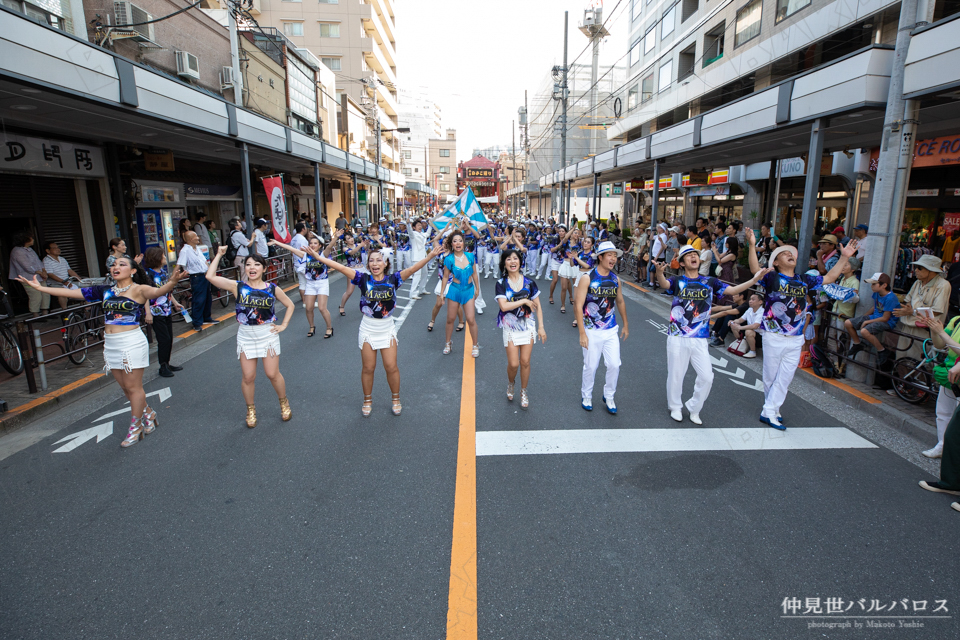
(913, 380)
(10, 355)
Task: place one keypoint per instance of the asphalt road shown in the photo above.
(337, 526)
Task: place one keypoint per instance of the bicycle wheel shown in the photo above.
(908, 370)
(76, 326)
(10, 355)
(77, 347)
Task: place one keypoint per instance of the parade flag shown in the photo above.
(278, 208)
(465, 206)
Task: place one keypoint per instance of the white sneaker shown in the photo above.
(695, 418)
(479, 312)
(415, 297)
(936, 452)
(750, 354)
(677, 415)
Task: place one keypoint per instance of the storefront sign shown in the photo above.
(278, 208)
(480, 183)
(212, 192)
(665, 183)
(951, 222)
(618, 188)
(695, 178)
(706, 192)
(937, 151)
(721, 176)
(792, 167)
(922, 193)
(480, 173)
(39, 155)
(162, 161)
(149, 194)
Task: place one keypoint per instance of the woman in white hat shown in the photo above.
(596, 296)
(784, 309)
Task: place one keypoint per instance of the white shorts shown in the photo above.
(519, 338)
(302, 280)
(317, 287)
(257, 341)
(442, 293)
(567, 270)
(128, 350)
(379, 333)
(576, 282)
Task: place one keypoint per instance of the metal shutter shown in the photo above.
(58, 219)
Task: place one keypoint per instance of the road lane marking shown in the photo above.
(508, 443)
(462, 602)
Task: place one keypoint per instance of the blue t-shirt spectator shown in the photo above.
(882, 304)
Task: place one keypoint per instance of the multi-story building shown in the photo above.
(355, 39)
(442, 166)
(421, 114)
(807, 114)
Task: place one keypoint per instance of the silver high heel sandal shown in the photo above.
(510, 391)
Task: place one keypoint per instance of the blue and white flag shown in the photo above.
(466, 207)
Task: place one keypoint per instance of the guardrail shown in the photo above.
(81, 325)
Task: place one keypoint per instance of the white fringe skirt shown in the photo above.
(379, 333)
(128, 350)
(257, 341)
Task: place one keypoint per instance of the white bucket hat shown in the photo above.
(607, 247)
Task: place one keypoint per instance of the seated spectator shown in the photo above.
(872, 326)
(58, 270)
(930, 290)
(724, 315)
(749, 324)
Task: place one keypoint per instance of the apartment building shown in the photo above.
(422, 115)
(442, 165)
(355, 39)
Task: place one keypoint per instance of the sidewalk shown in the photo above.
(67, 382)
(917, 421)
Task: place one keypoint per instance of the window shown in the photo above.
(407, 171)
(329, 29)
(444, 187)
(291, 0)
(293, 28)
(786, 8)
(687, 62)
(688, 8)
(646, 88)
(667, 24)
(36, 13)
(650, 39)
(329, 1)
(444, 153)
(748, 22)
(408, 154)
(666, 73)
(334, 64)
(636, 6)
(444, 169)
(713, 44)
(635, 53)
(632, 96)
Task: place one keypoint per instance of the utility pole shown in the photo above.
(525, 143)
(513, 153)
(563, 97)
(235, 53)
(593, 28)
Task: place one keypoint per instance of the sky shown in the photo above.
(476, 58)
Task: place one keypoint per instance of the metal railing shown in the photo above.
(81, 326)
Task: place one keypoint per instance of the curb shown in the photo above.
(887, 414)
(45, 403)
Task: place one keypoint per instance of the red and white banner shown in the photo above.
(278, 208)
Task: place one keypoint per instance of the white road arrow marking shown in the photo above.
(739, 374)
(99, 432)
(163, 395)
(756, 386)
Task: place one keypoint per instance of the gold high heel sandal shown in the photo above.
(251, 415)
(367, 406)
(397, 407)
(150, 421)
(134, 434)
(285, 411)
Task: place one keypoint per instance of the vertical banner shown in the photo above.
(278, 208)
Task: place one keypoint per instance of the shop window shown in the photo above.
(786, 8)
(293, 29)
(688, 8)
(632, 96)
(687, 62)
(748, 23)
(666, 73)
(329, 29)
(713, 44)
(646, 88)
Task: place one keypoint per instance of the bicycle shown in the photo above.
(10, 355)
(913, 380)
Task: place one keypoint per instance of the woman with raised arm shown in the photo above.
(519, 299)
(354, 254)
(459, 270)
(317, 280)
(378, 298)
(258, 338)
(126, 352)
(569, 271)
(585, 261)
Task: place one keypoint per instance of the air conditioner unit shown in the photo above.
(128, 13)
(226, 78)
(188, 66)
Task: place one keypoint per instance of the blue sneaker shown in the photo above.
(780, 420)
(586, 403)
(611, 407)
(773, 423)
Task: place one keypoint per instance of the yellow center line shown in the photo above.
(462, 604)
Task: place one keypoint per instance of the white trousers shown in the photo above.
(682, 352)
(419, 281)
(543, 266)
(493, 264)
(403, 260)
(481, 256)
(781, 355)
(531, 262)
(606, 343)
(946, 405)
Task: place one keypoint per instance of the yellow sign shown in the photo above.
(158, 161)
